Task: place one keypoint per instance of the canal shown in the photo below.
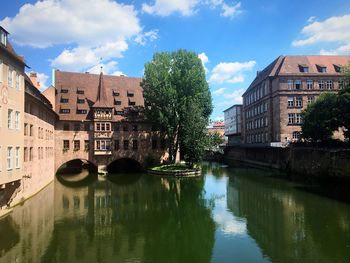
(227, 215)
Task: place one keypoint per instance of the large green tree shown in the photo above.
(320, 118)
(178, 100)
(343, 102)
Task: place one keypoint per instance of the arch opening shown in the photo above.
(124, 165)
(76, 171)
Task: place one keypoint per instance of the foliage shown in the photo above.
(319, 118)
(214, 141)
(343, 102)
(178, 100)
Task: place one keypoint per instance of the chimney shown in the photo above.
(34, 78)
(258, 72)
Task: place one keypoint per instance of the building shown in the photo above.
(11, 119)
(273, 102)
(100, 120)
(233, 124)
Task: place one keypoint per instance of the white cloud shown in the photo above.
(334, 30)
(145, 37)
(219, 91)
(189, 7)
(82, 22)
(230, 11)
(311, 19)
(42, 79)
(92, 29)
(232, 98)
(203, 57)
(230, 72)
(167, 7)
(110, 68)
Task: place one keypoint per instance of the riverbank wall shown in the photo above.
(326, 163)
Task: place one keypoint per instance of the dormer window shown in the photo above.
(321, 68)
(115, 93)
(130, 94)
(64, 91)
(303, 68)
(3, 36)
(338, 68)
(80, 91)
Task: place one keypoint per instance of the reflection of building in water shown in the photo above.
(281, 220)
(124, 222)
(33, 228)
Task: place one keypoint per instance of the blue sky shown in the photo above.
(233, 38)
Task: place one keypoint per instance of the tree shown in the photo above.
(320, 118)
(343, 102)
(177, 98)
(214, 141)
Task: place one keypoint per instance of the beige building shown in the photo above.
(233, 124)
(273, 102)
(11, 119)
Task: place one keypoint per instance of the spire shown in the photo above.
(101, 99)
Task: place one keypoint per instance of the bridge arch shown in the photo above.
(124, 165)
(75, 165)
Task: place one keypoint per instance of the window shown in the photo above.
(290, 84)
(3, 37)
(64, 100)
(31, 154)
(321, 68)
(329, 84)
(290, 118)
(298, 118)
(119, 112)
(131, 103)
(130, 94)
(65, 111)
(297, 84)
(80, 101)
(290, 101)
(296, 135)
(86, 145)
(17, 120)
(304, 69)
(76, 145)
(17, 153)
(17, 81)
(25, 129)
(9, 119)
(31, 130)
(116, 145)
(299, 102)
(64, 91)
(117, 102)
(310, 84)
(25, 154)
(81, 111)
(80, 91)
(154, 144)
(338, 68)
(66, 126)
(321, 84)
(65, 144)
(134, 145)
(9, 77)
(115, 93)
(9, 158)
(126, 144)
(310, 99)
(340, 86)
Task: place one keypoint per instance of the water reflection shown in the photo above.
(289, 225)
(228, 215)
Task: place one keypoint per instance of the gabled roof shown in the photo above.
(10, 50)
(101, 99)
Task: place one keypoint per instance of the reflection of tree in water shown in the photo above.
(151, 220)
(9, 235)
(290, 225)
(215, 169)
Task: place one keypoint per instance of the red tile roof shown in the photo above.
(120, 92)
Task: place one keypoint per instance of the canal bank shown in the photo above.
(309, 162)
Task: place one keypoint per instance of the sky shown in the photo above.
(234, 39)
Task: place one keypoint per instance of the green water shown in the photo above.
(227, 215)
